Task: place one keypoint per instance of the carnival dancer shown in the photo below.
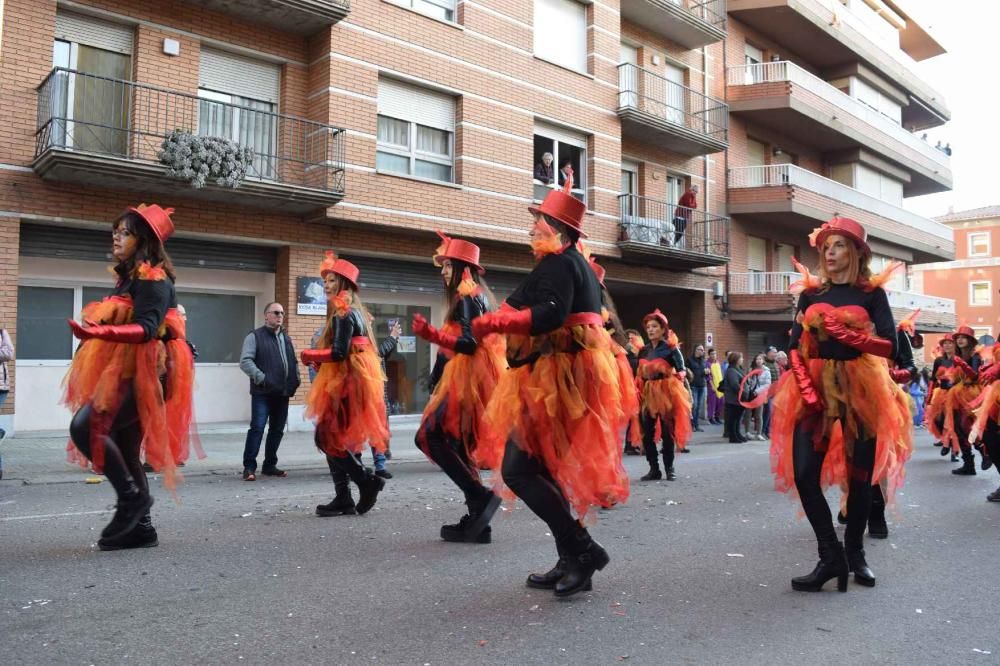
(665, 400)
(560, 404)
(839, 419)
(132, 377)
(464, 377)
(950, 411)
(942, 374)
(347, 399)
(987, 423)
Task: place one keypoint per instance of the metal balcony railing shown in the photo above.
(111, 117)
(789, 175)
(712, 12)
(761, 283)
(658, 223)
(782, 71)
(909, 300)
(655, 95)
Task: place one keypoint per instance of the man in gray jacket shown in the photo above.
(268, 359)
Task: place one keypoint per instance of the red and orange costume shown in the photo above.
(955, 391)
(987, 413)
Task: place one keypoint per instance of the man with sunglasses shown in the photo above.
(269, 360)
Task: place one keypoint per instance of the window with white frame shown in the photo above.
(981, 293)
(568, 149)
(561, 33)
(980, 331)
(416, 131)
(979, 244)
(879, 262)
(439, 9)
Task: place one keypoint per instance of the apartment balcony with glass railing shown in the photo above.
(690, 23)
(107, 132)
(652, 229)
(302, 17)
(797, 199)
(654, 109)
(803, 107)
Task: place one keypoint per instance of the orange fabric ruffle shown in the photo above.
(860, 398)
(957, 409)
(630, 394)
(989, 407)
(665, 396)
(347, 402)
(565, 408)
(459, 401)
(100, 374)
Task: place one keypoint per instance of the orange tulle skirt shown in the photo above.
(458, 404)
(102, 372)
(860, 399)
(630, 394)
(665, 397)
(566, 409)
(347, 402)
(958, 413)
(989, 407)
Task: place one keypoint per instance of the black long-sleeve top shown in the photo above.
(663, 351)
(150, 301)
(975, 362)
(875, 302)
(349, 325)
(465, 310)
(560, 285)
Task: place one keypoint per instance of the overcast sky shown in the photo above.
(969, 79)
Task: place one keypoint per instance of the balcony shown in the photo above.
(104, 132)
(797, 200)
(690, 23)
(804, 107)
(301, 17)
(654, 109)
(654, 231)
(831, 35)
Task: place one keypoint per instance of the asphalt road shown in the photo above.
(245, 573)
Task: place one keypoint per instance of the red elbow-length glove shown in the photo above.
(515, 322)
(810, 396)
(990, 373)
(900, 375)
(431, 334)
(130, 333)
(314, 357)
(964, 367)
(856, 339)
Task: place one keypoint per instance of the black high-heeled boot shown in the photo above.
(832, 564)
(863, 574)
(583, 557)
(132, 505)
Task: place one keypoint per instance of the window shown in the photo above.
(408, 368)
(757, 264)
(629, 188)
(42, 334)
(415, 131)
(567, 149)
(979, 244)
(752, 56)
(880, 262)
(875, 99)
(217, 323)
(561, 33)
(981, 293)
(869, 181)
(980, 331)
(439, 9)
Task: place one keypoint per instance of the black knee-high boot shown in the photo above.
(474, 527)
(342, 503)
(968, 467)
(368, 484)
(649, 448)
(877, 527)
(859, 504)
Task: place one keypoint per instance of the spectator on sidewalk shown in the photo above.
(269, 360)
(6, 355)
(698, 372)
(716, 401)
(731, 389)
(771, 363)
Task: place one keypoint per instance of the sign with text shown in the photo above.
(310, 297)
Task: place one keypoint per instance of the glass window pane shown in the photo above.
(60, 53)
(393, 132)
(407, 371)
(42, 334)
(91, 294)
(257, 130)
(432, 9)
(392, 163)
(100, 105)
(433, 170)
(217, 324)
(430, 140)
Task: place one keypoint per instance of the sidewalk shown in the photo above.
(40, 457)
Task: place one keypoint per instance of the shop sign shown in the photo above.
(310, 297)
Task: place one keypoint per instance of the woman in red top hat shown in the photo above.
(839, 419)
(347, 400)
(465, 374)
(132, 377)
(560, 405)
(954, 391)
(987, 423)
(665, 400)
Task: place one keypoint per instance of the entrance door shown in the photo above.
(752, 58)
(756, 161)
(675, 94)
(628, 77)
(783, 259)
(629, 190)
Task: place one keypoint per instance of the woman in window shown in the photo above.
(560, 405)
(665, 400)
(839, 419)
(544, 171)
(987, 422)
(731, 394)
(131, 378)
(465, 374)
(347, 400)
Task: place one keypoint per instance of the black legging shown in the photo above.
(649, 440)
(450, 455)
(808, 464)
(531, 481)
(122, 464)
(991, 440)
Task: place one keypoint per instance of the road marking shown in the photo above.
(43, 516)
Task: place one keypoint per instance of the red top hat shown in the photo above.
(157, 218)
(842, 226)
(562, 206)
(341, 267)
(967, 332)
(459, 250)
(658, 316)
(947, 337)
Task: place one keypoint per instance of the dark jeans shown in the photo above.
(680, 226)
(649, 441)
(734, 414)
(767, 419)
(270, 410)
(697, 400)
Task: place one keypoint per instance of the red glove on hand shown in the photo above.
(900, 375)
(431, 334)
(131, 333)
(314, 357)
(856, 339)
(990, 373)
(515, 322)
(964, 367)
(810, 396)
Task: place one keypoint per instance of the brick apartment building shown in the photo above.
(973, 278)
(376, 122)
